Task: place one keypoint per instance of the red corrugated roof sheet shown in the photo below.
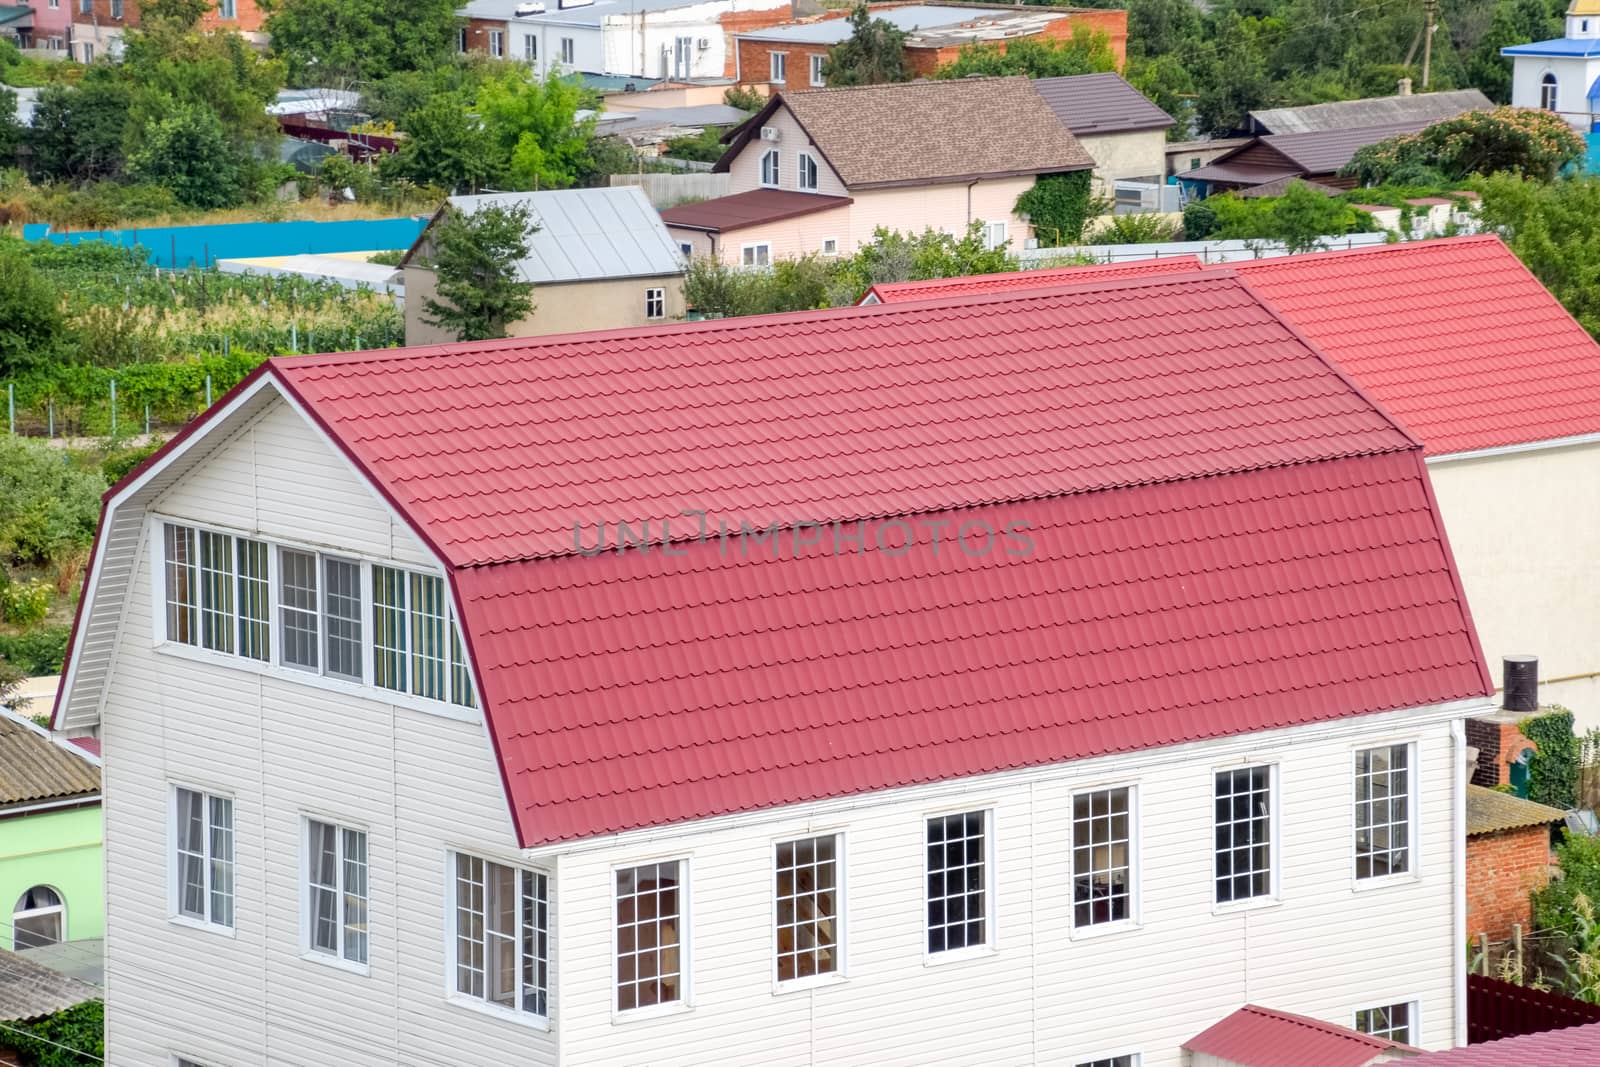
(975, 284)
(1574, 1046)
(1223, 535)
(1454, 336)
(1261, 1037)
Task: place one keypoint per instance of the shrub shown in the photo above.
(41, 650)
(1056, 207)
(1553, 771)
(23, 603)
(47, 506)
(1138, 229)
(1199, 220)
(1578, 856)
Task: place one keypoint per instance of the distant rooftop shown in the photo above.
(584, 14)
(751, 208)
(30, 990)
(925, 25)
(1426, 108)
(1100, 103)
(34, 767)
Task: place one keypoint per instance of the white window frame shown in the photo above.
(497, 44)
(1135, 1058)
(994, 235)
(1549, 91)
(815, 64)
(762, 254)
(530, 48)
(453, 994)
(655, 298)
(776, 158)
(1135, 918)
(445, 708)
(778, 68)
(803, 158)
(1414, 1004)
(840, 900)
(308, 949)
(569, 52)
(991, 925)
(58, 909)
(1274, 801)
(830, 246)
(175, 914)
(228, 9)
(685, 1001)
(1413, 869)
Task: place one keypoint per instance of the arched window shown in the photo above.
(39, 918)
(1547, 92)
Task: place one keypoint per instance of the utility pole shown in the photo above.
(1428, 7)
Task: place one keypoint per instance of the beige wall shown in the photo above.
(1525, 529)
(789, 238)
(943, 207)
(1139, 154)
(745, 170)
(598, 305)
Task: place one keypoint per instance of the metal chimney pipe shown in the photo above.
(1521, 683)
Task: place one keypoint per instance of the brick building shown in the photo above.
(98, 25)
(1508, 857)
(790, 57)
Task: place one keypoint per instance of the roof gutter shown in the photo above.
(1458, 876)
(65, 804)
(1511, 450)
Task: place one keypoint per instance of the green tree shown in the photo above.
(1522, 141)
(533, 125)
(1056, 206)
(874, 53)
(1086, 52)
(444, 146)
(1161, 27)
(326, 42)
(1170, 86)
(1233, 79)
(188, 152)
(1554, 228)
(78, 131)
(10, 130)
(475, 259)
(47, 507)
(703, 147)
(31, 324)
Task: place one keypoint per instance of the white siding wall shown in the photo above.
(418, 783)
(1044, 997)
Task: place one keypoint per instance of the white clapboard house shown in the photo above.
(1028, 678)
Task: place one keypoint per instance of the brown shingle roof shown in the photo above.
(749, 208)
(35, 768)
(927, 132)
(1490, 811)
(31, 991)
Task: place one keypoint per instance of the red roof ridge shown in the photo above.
(1255, 1036)
(1326, 1027)
(1267, 262)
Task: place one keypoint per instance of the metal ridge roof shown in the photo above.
(1572, 1046)
(973, 284)
(1101, 103)
(1255, 1036)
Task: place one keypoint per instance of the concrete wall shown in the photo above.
(1573, 78)
(1139, 154)
(665, 190)
(60, 849)
(569, 308)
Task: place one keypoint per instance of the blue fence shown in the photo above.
(184, 246)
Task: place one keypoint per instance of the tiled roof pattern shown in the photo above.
(968, 285)
(29, 990)
(1261, 1037)
(1454, 336)
(936, 130)
(1490, 811)
(1243, 542)
(1100, 103)
(35, 768)
(1574, 1046)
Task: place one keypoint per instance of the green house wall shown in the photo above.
(60, 849)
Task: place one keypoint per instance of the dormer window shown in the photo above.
(769, 168)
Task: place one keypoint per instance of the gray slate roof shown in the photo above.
(1424, 108)
(29, 990)
(589, 234)
(1100, 103)
(1490, 811)
(35, 768)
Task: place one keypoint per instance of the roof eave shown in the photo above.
(952, 179)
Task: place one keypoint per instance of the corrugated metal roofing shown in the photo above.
(1100, 103)
(1490, 811)
(1219, 535)
(973, 284)
(1326, 151)
(589, 234)
(1574, 1046)
(1375, 111)
(1261, 1037)
(29, 990)
(35, 768)
(1240, 173)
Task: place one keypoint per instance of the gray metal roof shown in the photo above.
(1426, 108)
(910, 18)
(29, 990)
(1100, 103)
(589, 234)
(580, 15)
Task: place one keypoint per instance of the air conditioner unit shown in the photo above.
(703, 43)
(770, 133)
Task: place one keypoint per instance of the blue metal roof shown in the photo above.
(1561, 46)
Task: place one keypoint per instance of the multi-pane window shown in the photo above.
(341, 613)
(649, 935)
(336, 898)
(958, 881)
(1392, 1021)
(182, 585)
(428, 627)
(569, 51)
(816, 70)
(389, 628)
(1102, 857)
(1243, 833)
(756, 255)
(779, 66)
(39, 918)
(460, 673)
(655, 303)
(1383, 811)
(297, 608)
(770, 169)
(255, 622)
(216, 591)
(530, 48)
(994, 235)
(502, 935)
(204, 860)
(497, 47)
(806, 172)
(116, 9)
(807, 925)
(228, 9)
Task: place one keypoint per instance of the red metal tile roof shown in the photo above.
(1225, 536)
(974, 284)
(1574, 1046)
(1260, 1037)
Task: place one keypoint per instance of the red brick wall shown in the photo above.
(1502, 869)
(478, 34)
(249, 16)
(1114, 24)
(746, 22)
(755, 63)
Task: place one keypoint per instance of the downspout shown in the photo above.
(1458, 877)
(969, 200)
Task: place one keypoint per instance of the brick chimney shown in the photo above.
(1405, 87)
(1498, 737)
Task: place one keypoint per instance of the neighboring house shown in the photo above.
(820, 171)
(1188, 155)
(643, 38)
(1508, 858)
(1255, 1036)
(30, 991)
(600, 259)
(1562, 75)
(1572, 1046)
(44, 24)
(943, 639)
(790, 57)
(1404, 107)
(1116, 124)
(50, 866)
(97, 25)
(1462, 343)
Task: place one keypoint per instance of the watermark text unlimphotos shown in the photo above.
(893, 536)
